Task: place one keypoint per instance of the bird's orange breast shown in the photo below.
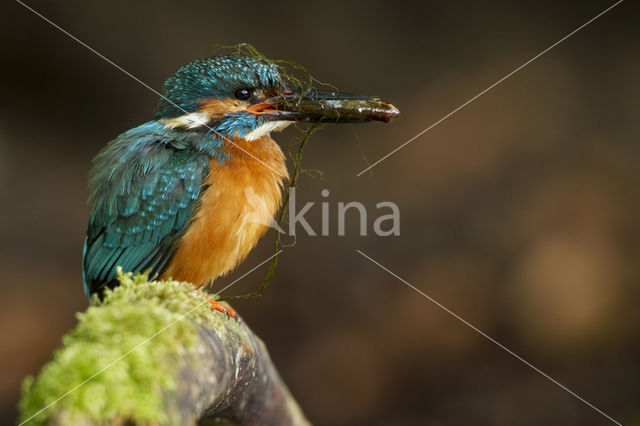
(242, 195)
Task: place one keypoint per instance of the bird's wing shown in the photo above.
(144, 187)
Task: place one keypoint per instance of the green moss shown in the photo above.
(136, 334)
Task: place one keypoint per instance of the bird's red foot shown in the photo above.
(224, 309)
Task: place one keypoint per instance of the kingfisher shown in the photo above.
(170, 196)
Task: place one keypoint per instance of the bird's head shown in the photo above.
(243, 97)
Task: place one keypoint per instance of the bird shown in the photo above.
(169, 197)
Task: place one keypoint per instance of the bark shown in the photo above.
(183, 364)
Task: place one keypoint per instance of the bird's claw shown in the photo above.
(228, 311)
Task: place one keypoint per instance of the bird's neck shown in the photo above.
(262, 155)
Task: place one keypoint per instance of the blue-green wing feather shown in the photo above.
(144, 188)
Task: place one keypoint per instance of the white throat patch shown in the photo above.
(199, 119)
(190, 121)
(266, 129)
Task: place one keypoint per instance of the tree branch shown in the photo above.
(156, 353)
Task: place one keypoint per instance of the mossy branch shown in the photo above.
(155, 353)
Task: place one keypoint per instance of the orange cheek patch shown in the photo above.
(220, 107)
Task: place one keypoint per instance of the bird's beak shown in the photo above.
(324, 106)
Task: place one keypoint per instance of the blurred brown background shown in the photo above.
(520, 212)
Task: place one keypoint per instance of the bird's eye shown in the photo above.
(243, 94)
